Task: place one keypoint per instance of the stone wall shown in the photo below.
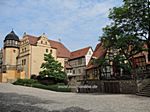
(128, 86)
(99, 86)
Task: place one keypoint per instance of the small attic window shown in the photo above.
(90, 53)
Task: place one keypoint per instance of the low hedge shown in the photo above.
(60, 87)
(25, 82)
(53, 87)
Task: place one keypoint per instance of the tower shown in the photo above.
(9, 68)
(11, 49)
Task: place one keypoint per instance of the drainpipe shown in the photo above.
(31, 61)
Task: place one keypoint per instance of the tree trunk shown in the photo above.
(148, 42)
(148, 45)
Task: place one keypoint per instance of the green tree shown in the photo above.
(129, 29)
(132, 20)
(52, 68)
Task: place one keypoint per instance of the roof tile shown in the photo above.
(79, 53)
(62, 51)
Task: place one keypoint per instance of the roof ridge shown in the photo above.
(81, 49)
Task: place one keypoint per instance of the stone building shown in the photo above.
(10, 69)
(76, 65)
(93, 68)
(26, 55)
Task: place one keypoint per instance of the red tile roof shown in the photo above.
(98, 53)
(79, 53)
(62, 51)
(32, 39)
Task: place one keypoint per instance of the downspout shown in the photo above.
(31, 61)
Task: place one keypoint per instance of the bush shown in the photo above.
(46, 81)
(33, 76)
(58, 88)
(27, 82)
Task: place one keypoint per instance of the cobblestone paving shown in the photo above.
(24, 99)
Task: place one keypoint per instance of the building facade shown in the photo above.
(96, 70)
(28, 53)
(9, 68)
(76, 65)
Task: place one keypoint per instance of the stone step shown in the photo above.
(146, 89)
(145, 92)
(141, 94)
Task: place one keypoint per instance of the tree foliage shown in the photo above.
(52, 68)
(130, 27)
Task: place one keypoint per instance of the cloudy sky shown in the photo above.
(78, 23)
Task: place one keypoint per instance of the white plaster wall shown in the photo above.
(88, 56)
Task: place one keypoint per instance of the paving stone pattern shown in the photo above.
(26, 99)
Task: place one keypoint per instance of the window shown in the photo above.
(73, 71)
(90, 53)
(22, 50)
(46, 43)
(79, 71)
(14, 51)
(16, 42)
(24, 62)
(25, 49)
(41, 42)
(51, 51)
(46, 50)
(80, 61)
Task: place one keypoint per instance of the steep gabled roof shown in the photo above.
(98, 53)
(62, 51)
(32, 39)
(79, 53)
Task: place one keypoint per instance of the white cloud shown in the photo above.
(71, 19)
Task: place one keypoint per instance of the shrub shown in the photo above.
(47, 81)
(60, 87)
(55, 87)
(27, 82)
(33, 76)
